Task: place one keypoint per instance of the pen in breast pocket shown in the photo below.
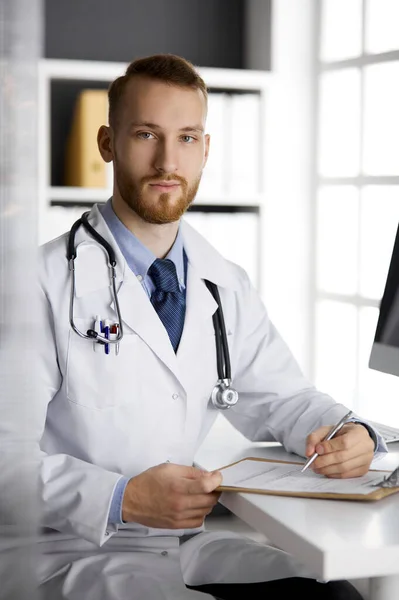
(117, 344)
(106, 334)
(113, 331)
(329, 435)
(98, 329)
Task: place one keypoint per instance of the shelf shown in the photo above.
(78, 194)
(81, 195)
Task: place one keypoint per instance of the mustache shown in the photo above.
(151, 179)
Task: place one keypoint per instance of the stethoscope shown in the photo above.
(223, 395)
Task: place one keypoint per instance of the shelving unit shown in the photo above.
(244, 138)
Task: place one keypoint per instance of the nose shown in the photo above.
(166, 158)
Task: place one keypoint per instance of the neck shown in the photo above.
(157, 238)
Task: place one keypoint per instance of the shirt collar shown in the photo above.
(138, 257)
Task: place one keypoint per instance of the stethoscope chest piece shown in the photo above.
(223, 396)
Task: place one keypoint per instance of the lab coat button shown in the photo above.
(175, 396)
(164, 553)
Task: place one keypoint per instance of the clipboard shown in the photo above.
(386, 487)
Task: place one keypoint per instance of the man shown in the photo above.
(123, 505)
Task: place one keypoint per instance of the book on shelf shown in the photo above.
(84, 166)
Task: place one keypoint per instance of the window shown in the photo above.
(357, 197)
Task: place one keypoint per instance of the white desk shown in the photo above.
(335, 538)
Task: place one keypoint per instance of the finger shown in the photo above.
(335, 458)
(198, 513)
(190, 472)
(359, 465)
(339, 443)
(351, 435)
(205, 484)
(350, 452)
(314, 438)
(190, 519)
(202, 501)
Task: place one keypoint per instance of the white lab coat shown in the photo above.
(103, 416)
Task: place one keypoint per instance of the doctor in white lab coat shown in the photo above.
(119, 433)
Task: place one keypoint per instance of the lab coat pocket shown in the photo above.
(98, 380)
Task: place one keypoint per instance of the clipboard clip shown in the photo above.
(390, 482)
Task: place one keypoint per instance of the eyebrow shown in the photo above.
(155, 126)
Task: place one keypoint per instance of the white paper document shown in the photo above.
(278, 477)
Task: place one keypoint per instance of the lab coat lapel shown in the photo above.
(200, 306)
(204, 263)
(139, 314)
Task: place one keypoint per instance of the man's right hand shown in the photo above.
(171, 496)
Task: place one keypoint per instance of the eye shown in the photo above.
(145, 135)
(188, 139)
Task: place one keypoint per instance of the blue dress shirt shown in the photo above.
(139, 259)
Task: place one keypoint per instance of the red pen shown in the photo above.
(114, 330)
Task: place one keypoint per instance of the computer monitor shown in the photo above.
(385, 350)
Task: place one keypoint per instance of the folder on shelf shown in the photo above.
(284, 478)
(84, 166)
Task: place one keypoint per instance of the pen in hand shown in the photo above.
(330, 434)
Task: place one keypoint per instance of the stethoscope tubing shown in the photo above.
(91, 334)
(222, 348)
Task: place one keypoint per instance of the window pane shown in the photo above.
(381, 119)
(378, 392)
(382, 25)
(341, 29)
(379, 218)
(337, 239)
(336, 350)
(339, 123)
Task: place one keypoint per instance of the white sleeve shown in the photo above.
(76, 495)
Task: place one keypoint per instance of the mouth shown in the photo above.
(165, 186)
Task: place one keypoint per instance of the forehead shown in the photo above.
(149, 100)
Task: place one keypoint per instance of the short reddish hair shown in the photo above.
(169, 68)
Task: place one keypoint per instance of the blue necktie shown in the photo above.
(167, 299)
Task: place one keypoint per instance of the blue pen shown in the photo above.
(106, 334)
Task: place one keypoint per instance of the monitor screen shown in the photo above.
(385, 351)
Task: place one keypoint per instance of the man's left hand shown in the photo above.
(348, 454)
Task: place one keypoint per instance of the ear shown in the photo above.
(105, 143)
(207, 144)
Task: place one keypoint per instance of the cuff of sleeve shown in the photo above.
(372, 434)
(379, 443)
(115, 512)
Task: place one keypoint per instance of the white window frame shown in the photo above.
(359, 181)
